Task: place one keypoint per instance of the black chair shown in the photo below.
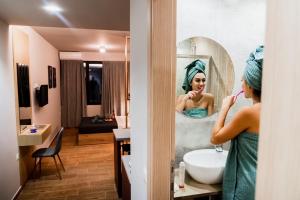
(50, 152)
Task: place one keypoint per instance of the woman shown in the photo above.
(240, 170)
(195, 103)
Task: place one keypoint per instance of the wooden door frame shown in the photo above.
(162, 94)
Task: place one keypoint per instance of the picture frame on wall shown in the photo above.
(53, 77)
(50, 79)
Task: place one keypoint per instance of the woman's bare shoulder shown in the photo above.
(208, 96)
(247, 112)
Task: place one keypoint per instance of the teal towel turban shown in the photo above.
(253, 70)
(192, 69)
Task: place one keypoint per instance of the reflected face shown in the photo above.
(198, 82)
(247, 89)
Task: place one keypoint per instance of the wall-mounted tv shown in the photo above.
(42, 95)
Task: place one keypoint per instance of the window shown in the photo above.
(93, 82)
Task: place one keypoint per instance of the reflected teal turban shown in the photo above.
(192, 69)
(253, 70)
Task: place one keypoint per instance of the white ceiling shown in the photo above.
(81, 26)
(84, 40)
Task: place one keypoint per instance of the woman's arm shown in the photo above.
(180, 104)
(181, 100)
(210, 108)
(239, 123)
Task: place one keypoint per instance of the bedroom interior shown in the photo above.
(92, 96)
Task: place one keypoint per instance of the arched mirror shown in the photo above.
(213, 81)
(218, 66)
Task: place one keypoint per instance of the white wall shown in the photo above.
(42, 54)
(9, 170)
(239, 26)
(139, 29)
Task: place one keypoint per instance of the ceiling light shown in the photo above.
(102, 49)
(53, 8)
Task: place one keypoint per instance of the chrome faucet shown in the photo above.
(219, 148)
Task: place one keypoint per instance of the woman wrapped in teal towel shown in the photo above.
(240, 170)
(195, 103)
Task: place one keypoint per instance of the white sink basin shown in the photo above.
(206, 165)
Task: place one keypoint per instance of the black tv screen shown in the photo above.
(42, 95)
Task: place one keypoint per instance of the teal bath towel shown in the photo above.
(240, 171)
(196, 112)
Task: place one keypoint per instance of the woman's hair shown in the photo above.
(257, 93)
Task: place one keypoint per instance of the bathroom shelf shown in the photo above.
(26, 138)
(193, 189)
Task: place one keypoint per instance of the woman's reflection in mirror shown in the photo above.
(195, 102)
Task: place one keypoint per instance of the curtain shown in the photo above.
(113, 88)
(72, 92)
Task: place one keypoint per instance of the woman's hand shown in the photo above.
(190, 95)
(227, 102)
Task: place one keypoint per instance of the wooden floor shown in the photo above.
(89, 173)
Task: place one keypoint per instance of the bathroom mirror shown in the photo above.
(194, 133)
(219, 67)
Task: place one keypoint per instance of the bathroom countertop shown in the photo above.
(193, 189)
(122, 134)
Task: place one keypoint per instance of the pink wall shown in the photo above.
(42, 54)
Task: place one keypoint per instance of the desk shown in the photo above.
(26, 138)
(120, 135)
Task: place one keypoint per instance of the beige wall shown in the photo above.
(9, 170)
(278, 175)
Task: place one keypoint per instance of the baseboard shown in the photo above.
(17, 193)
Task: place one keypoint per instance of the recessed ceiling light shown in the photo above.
(53, 8)
(102, 49)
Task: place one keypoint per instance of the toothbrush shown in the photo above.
(238, 94)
